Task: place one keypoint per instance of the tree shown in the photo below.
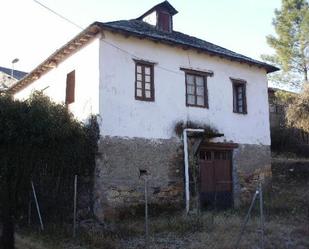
(291, 43)
(298, 111)
(38, 135)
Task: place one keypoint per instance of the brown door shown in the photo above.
(216, 178)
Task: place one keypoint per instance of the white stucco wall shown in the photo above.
(124, 116)
(110, 91)
(85, 62)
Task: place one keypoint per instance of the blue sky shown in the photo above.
(31, 33)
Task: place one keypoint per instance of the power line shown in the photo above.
(57, 14)
(136, 57)
(109, 43)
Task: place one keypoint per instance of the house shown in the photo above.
(276, 110)
(143, 79)
(277, 106)
(9, 76)
(279, 100)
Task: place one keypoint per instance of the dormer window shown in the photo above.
(164, 21)
(160, 16)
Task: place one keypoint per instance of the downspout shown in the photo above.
(186, 161)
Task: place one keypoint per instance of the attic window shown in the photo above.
(164, 21)
(160, 16)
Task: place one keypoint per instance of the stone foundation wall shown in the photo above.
(117, 181)
(118, 184)
(251, 163)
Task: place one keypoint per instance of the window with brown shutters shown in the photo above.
(196, 90)
(239, 96)
(164, 21)
(144, 81)
(70, 88)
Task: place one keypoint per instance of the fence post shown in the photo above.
(146, 214)
(37, 206)
(74, 208)
(29, 209)
(261, 215)
(246, 219)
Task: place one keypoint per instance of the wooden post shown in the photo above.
(37, 206)
(74, 211)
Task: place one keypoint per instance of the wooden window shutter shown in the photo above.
(164, 21)
(234, 98)
(244, 97)
(239, 102)
(70, 88)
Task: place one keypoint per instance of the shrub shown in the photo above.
(39, 138)
(288, 140)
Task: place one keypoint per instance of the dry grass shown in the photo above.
(215, 231)
(220, 231)
(286, 226)
(57, 237)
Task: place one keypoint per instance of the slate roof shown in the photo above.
(142, 29)
(17, 74)
(137, 28)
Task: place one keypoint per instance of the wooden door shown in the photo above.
(216, 186)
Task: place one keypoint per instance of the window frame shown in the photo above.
(236, 84)
(144, 64)
(204, 75)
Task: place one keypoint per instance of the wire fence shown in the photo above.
(276, 217)
(53, 200)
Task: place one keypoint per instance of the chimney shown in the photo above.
(160, 16)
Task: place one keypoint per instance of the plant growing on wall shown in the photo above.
(38, 137)
(209, 131)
